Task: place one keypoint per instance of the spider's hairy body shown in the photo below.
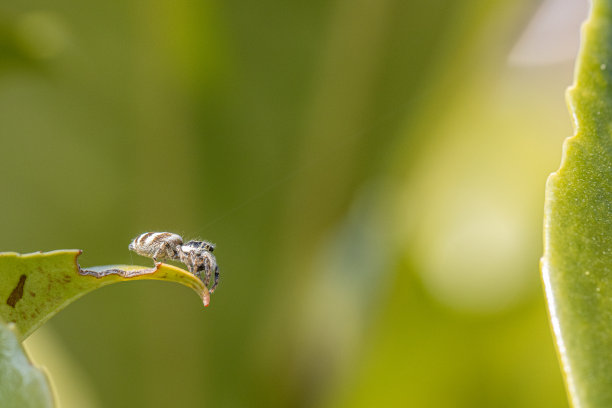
(196, 255)
(157, 245)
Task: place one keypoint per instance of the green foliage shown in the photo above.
(37, 286)
(577, 261)
(313, 142)
(21, 384)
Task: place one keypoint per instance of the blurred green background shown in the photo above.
(372, 172)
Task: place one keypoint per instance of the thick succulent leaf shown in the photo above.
(577, 261)
(21, 384)
(34, 287)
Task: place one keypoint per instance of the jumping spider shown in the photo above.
(196, 255)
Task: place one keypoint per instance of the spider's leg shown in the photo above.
(165, 248)
(212, 289)
(155, 255)
(182, 256)
(176, 256)
(194, 266)
(177, 252)
(186, 259)
(212, 266)
(207, 270)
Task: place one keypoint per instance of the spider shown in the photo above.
(196, 255)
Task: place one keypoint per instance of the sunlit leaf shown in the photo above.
(577, 262)
(21, 384)
(34, 287)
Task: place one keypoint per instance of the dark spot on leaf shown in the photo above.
(17, 293)
(32, 294)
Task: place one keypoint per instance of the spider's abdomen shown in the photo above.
(157, 245)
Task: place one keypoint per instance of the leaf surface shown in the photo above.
(21, 384)
(34, 287)
(577, 261)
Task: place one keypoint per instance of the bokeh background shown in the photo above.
(372, 172)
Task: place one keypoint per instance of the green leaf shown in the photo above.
(34, 287)
(21, 384)
(577, 261)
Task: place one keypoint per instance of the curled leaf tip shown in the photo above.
(161, 271)
(34, 287)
